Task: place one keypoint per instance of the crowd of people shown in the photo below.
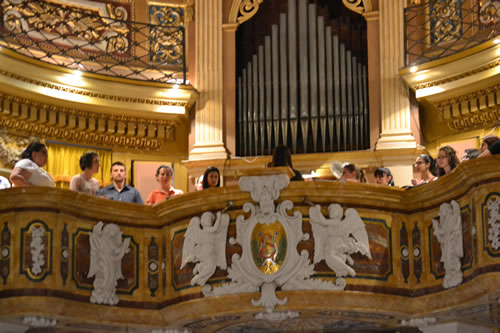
(28, 171)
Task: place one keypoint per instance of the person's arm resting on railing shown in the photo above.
(19, 177)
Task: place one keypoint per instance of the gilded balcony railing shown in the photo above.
(438, 28)
(95, 37)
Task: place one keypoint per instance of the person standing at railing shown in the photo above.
(447, 160)
(283, 157)
(28, 171)
(164, 176)
(84, 182)
(118, 190)
(426, 166)
(352, 174)
(383, 176)
(211, 178)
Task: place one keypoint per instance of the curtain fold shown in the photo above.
(64, 163)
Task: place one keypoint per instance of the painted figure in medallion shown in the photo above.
(205, 244)
(335, 239)
(106, 252)
(449, 234)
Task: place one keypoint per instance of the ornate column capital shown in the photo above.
(358, 6)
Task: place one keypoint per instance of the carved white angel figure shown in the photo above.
(336, 239)
(449, 234)
(106, 252)
(205, 244)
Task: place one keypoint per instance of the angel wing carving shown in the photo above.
(205, 245)
(335, 239)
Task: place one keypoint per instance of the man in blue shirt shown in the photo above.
(118, 190)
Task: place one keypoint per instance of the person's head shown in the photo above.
(349, 171)
(164, 175)
(282, 157)
(383, 176)
(447, 160)
(118, 172)
(90, 161)
(37, 152)
(211, 177)
(488, 141)
(424, 162)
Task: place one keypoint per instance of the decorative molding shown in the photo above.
(419, 322)
(205, 244)
(243, 10)
(358, 6)
(37, 249)
(5, 253)
(109, 32)
(448, 231)
(11, 147)
(269, 239)
(472, 110)
(494, 222)
(35, 321)
(336, 238)
(276, 316)
(71, 125)
(106, 252)
(153, 267)
(460, 76)
(91, 94)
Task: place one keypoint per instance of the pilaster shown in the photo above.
(395, 105)
(209, 118)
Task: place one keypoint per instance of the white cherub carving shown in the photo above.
(336, 239)
(205, 244)
(449, 234)
(106, 252)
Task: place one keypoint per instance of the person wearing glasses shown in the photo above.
(447, 160)
(425, 166)
(28, 171)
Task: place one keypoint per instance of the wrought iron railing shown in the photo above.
(96, 38)
(438, 28)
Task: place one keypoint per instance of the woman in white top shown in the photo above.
(28, 171)
(89, 163)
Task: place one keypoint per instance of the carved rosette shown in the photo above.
(36, 251)
(491, 223)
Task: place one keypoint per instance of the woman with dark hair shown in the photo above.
(211, 178)
(426, 166)
(488, 141)
(352, 174)
(447, 160)
(84, 182)
(164, 175)
(283, 157)
(383, 176)
(28, 171)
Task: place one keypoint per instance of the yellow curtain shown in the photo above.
(64, 163)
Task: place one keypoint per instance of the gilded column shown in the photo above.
(209, 121)
(395, 106)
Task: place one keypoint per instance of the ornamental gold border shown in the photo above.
(468, 97)
(458, 76)
(91, 94)
(79, 136)
(170, 124)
